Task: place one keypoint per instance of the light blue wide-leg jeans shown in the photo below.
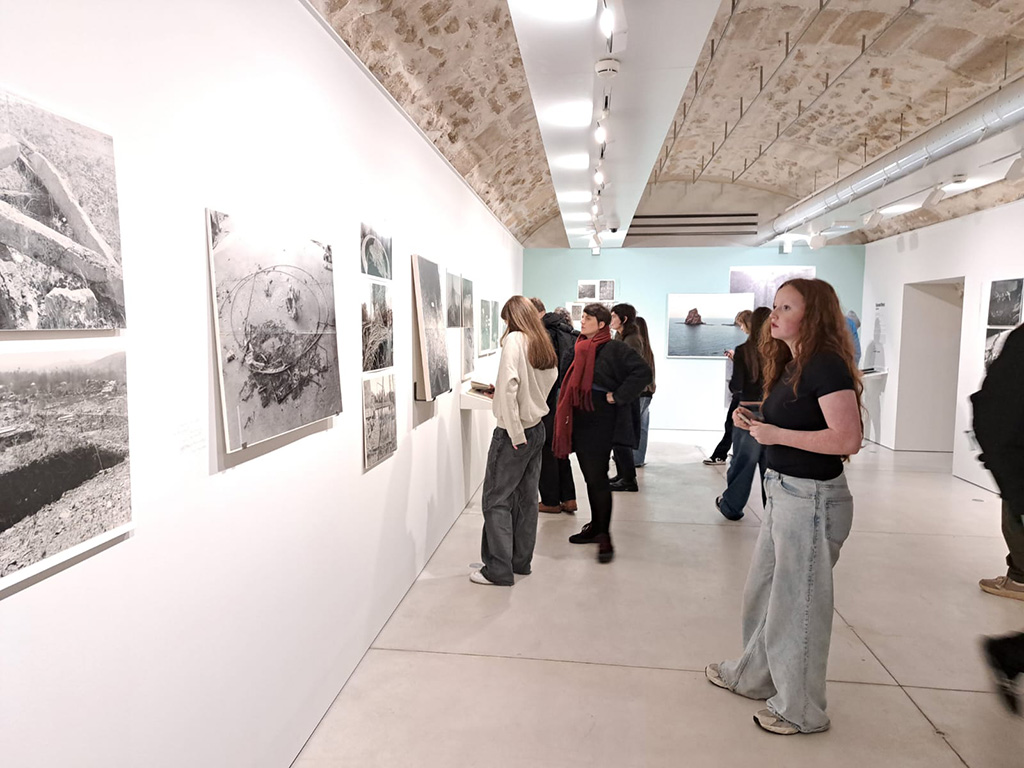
(788, 599)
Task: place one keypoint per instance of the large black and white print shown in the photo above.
(704, 324)
(1004, 303)
(485, 327)
(64, 476)
(378, 328)
(467, 304)
(764, 282)
(468, 353)
(454, 300)
(60, 240)
(430, 312)
(277, 344)
(375, 253)
(380, 425)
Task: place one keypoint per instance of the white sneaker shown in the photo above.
(772, 723)
(477, 577)
(714, 676)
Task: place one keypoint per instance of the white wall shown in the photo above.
(982, 247)
(221, 631)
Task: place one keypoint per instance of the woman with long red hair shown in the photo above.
(812, 423)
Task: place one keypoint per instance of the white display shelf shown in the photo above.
(471, 400)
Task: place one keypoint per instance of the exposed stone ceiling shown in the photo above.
(859, 78)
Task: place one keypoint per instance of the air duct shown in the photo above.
(993, 115)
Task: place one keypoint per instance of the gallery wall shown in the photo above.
(980, 248)
(691, 392)
(219, 633)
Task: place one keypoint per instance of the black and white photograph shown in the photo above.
(380, 423)
(576, 311)
(277, 345)
(467, 304)
(64, 475)
(587, 290)
(1004, 303)
(704, 324)
(430, 313)
(468, 353)
(375, 253)
(764, 282)
(454, 292)
(60, 237)
(995, 339)
(606, 290)
(378, 328)
(495, 324)
(485, 327)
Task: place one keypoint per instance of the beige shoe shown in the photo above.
(1003, 586)
(569, 506)
(549, 509)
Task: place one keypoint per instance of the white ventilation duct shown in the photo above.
(993, 115)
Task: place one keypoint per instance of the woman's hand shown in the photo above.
(765, 434)
(742, 418)
(729, 353)
(610, 398)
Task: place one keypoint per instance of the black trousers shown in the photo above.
(722, 449)
(1013, 533)
(1009, 652)
(625, 468)
(594, 465)
(556, 483)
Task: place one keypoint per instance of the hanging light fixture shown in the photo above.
(600, 134)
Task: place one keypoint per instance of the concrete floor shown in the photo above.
(581, 664)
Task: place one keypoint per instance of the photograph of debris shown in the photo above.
(63, 450)
(430, 313)
(375, 253)
(277, 345)
(586, 289)
(467, 304)
(606, 290)
(468, 353)
(60, 240)
(380, 424)
(378, 328)
(454, 300)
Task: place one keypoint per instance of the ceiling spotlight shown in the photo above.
(600, 134)
(595, 241)
(957, 184)
(817, 241)
(873, 219)
(1016, 170)
(594, 209)
(599, 177)
(606, 21)
(933, 199)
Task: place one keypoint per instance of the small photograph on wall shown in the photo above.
(606, 290)
(468, 353)
(378, 328)
(380, 423)
(586, 290)
(485, 327)
(64, 469)
(995, 339)
(467, 304)
(495, 325)
(430, 313)
(454, 286)
(277, 345)
(375, 253)
(704, 324)
(764, 282)
(576, 311)
(60, 238)
(1004, 303)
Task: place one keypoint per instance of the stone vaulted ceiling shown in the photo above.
(759, 120)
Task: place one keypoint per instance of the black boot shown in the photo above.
(605, 550)
(625, 485)
(587, 536)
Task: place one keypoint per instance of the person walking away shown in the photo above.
(527, 370)
(747, 453)
(640, 454)
(557, 488)
(593, 414)
(812, 423)
(721, 452)
(999, 430)
(626, 330)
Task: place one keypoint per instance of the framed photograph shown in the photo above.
(586, 290)
(378, 327)
(606, 290)
(468, 353)
(431, 317)
(454, 306)
(380, 424)
(764, 282)
(467, 304)
(704, 324)
(485, 327)
(1004, 303)
(495, 325)
(375, 253)
(995, 338)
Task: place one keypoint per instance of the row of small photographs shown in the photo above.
(595, 290)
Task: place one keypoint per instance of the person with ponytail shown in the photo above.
(527, 371)
(627, 331)
(640, 454)
(812, 424)
(594, 413)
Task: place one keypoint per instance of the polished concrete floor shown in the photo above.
(582, 664)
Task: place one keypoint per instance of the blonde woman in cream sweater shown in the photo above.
(527, 370)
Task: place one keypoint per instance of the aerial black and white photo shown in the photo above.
(64, 475)
(60, 239)
(380, 425)
(1004, 303)
(454, 300)
(375, 253)
(606, 290)
(378, 328)
(277, 344)
(764, 282)
(586, 289)
(467, 304)
(430, 313)
(468, 353)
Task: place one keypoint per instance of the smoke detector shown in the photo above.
(607, 68)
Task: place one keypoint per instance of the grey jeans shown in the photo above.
(510, 505)
(788, 599)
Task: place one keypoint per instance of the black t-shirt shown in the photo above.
(823, 375)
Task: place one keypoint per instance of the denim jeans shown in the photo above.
(640, 454)
(510, 505)
(747, 456)
(787, 602)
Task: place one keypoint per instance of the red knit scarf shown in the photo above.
(577, 389)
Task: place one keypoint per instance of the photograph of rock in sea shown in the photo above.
(60, 240)
(63, 449)
(704, 324)
(277, 345)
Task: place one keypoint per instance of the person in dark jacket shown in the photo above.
(640, 454)
(557, 488)
(999, 429)
(593, 414)
(747, 454)
(627, 331)
(721, 452)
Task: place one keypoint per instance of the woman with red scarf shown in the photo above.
(593, 413)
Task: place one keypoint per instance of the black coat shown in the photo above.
(621, 371)
(999, 418)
